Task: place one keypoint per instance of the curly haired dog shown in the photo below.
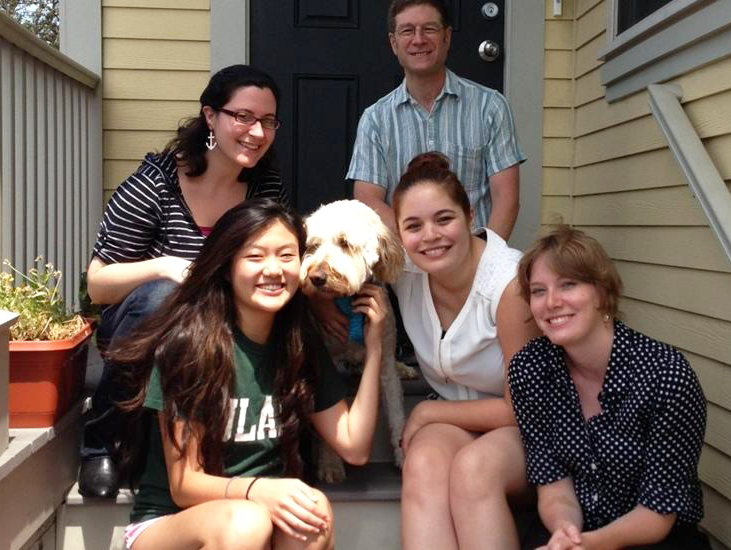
(348, 245)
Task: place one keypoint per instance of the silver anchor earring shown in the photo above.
(211, 141)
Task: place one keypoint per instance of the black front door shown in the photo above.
(332, 59)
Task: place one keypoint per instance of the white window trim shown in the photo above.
(644, 28)
(677, 38)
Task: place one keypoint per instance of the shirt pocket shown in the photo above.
(469, 165)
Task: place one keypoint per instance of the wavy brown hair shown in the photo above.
(572, 253)
(189, 339)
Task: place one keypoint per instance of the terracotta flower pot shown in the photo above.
(46, 378)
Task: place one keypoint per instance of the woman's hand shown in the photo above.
(371, 302)
(566, 537)
(173, 268)
(292, 505)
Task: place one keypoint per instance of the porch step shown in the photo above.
(366, 508)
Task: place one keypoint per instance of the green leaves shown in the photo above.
(38, 302)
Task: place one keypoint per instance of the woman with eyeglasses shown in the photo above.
(157, 221)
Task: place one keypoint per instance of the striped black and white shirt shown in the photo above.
(147, 216)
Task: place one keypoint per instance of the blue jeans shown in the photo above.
(101, 430)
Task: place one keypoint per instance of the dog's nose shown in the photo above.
(318, 278)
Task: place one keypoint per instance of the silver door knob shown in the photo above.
(489, 50)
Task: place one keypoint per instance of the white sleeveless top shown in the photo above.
(467, 363)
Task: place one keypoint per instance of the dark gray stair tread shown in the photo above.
(375, 481)
(418, 386)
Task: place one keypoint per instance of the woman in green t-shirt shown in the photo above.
(229, 372)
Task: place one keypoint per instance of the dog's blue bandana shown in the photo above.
(355, 320)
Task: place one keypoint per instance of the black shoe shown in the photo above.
(98, 478)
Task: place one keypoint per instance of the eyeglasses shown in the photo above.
(408, 31)
(247, 119)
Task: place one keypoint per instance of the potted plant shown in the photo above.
(48, 347)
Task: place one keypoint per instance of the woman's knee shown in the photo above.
(424, 465)
(327, 540)
(489, 465)
(240, 521)
(148, 296)
(323, 506)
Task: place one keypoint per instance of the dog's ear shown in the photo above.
(390, 258)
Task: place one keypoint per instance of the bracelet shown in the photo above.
(250, 486)
(228, 485)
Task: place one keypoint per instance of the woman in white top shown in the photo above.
(463, 313)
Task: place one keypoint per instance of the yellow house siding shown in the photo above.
(155, 63)
(691, 247)
(590, 25)
(161, 84)
(640, 171)
(169, 4)
(653, 207)
(712, 466)
(588, 88)
(666, 280)
(584, 6)
(155, 55)
(558, 115)
(155, 24)
(610, 173)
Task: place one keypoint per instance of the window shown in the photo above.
(632, 11)
(651, 41)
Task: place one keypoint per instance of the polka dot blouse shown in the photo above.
(643, 448)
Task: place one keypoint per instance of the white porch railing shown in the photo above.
(698, 168)
(50, 187)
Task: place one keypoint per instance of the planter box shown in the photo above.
(7, 319)
(46, 378)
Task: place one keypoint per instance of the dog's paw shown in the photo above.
(331, 473)
(406, 372)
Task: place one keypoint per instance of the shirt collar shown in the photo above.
(451, 87)
(616, 380)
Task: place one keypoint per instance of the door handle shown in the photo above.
(489, 51)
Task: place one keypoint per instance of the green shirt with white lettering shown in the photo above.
(252, 443)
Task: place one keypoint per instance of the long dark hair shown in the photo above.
(189, 143)
(190, 339)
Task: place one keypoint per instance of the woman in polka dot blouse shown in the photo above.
(612, 421)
